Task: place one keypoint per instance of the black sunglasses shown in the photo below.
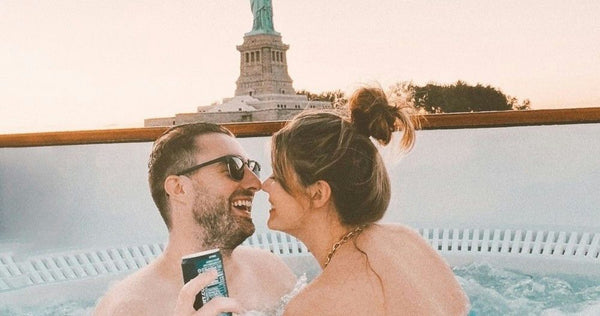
(235, 166)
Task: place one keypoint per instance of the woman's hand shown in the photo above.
(187, 295)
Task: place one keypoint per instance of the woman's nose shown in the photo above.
(266, 185)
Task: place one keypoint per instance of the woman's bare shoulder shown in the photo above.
(393, 235)
(398, 252)
(329, 297)
(395, 228)
(401, 256)
(307, 302)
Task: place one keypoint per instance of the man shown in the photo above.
(203, 186)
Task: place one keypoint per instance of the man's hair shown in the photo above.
(172, 152)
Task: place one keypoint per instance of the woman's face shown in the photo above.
(288, 213)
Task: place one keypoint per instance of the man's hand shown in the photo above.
(187, 295)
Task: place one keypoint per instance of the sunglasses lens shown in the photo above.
(254, 166)
(236, 168)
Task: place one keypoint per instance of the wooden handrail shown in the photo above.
(512, 118)
(254, 129)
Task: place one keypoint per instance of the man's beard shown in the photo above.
(222, 229)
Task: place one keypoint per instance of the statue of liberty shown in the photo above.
(263, 16)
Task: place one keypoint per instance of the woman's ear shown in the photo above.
(319, 193)
(174, 187)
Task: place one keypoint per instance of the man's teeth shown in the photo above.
(243, 203)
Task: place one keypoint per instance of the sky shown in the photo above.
(96, 64)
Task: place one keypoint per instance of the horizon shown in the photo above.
(79, 66)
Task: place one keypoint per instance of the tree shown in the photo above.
(434, 98)
(458, 97)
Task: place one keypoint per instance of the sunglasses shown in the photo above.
(235, 166)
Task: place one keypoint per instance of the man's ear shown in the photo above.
(319, 193)
(174, 187)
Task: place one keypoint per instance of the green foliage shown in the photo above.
(434, 98)
(458, 97)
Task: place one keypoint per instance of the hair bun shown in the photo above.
(373, 116)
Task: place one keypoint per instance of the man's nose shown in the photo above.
(250, 180)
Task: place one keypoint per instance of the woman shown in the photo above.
(328, 189)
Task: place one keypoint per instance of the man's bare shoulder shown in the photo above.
(122, 298)
(266, 265)
(137, 294)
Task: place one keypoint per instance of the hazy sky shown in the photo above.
(75, 64)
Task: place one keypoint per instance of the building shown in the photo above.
(264, 88)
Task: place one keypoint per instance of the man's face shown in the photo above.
(222, 206)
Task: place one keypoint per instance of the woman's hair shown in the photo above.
(336, 148)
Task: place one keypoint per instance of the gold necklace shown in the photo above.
(342, 241)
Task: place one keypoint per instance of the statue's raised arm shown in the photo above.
(263, 16)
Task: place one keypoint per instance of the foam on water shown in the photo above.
(495, 291)
(86, 307)
(492, 291)
(278, 311)
(74, 308)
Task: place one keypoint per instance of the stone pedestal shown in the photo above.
(263, 66)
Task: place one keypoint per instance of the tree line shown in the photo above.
(435, 98)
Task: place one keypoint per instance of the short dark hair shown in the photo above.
(172, 152)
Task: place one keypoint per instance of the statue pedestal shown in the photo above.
(263, 65)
